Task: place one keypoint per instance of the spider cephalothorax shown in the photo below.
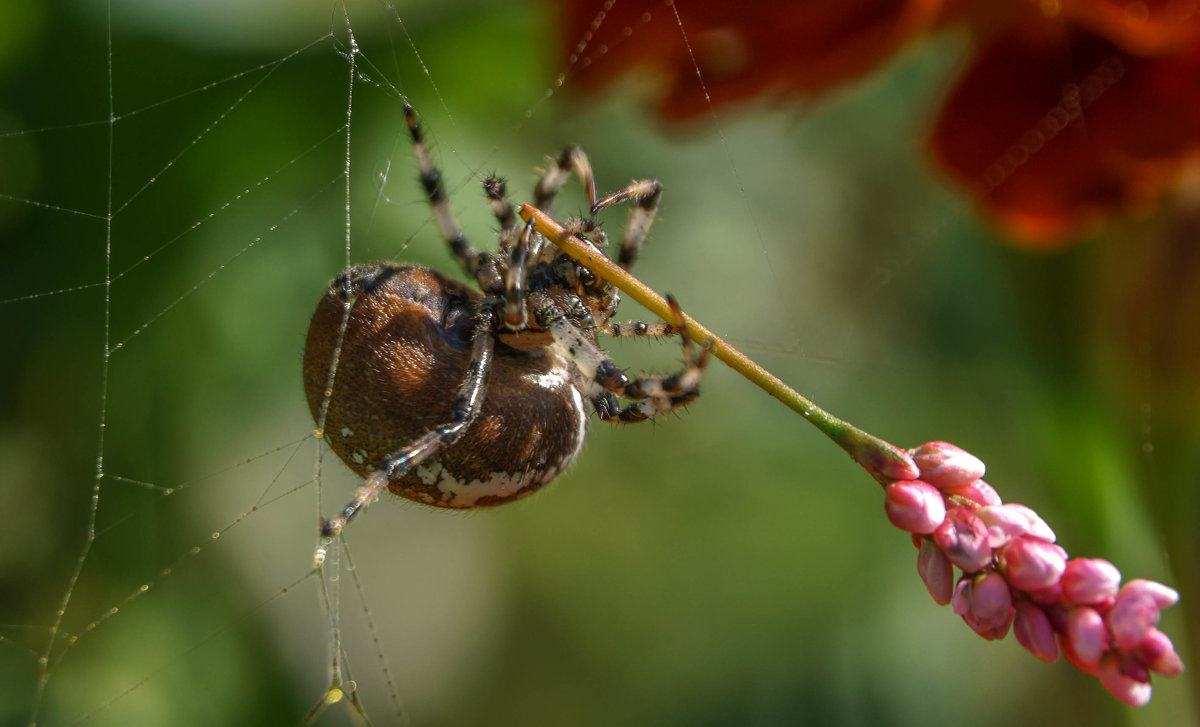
(462, 398)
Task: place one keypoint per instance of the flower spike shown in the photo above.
(1015, 575)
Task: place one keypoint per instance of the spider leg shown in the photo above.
(637, 329)
(466, 408)
(572, 159)
(651, 395)
(516, 315)
(479, 265)
(646, 193)
(496, 190)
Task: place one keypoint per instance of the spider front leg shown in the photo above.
(466, 408)
(516, 316)
(479, 265)
(571, 159)
(496, 190)
(647, 193)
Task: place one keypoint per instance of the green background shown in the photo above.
(726, 566)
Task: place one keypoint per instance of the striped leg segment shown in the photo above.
(516, 316)
(572, 159)
(479, 265)
(646, 194)
(496, 190)
(637, 329)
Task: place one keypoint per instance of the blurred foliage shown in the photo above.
(726, 566)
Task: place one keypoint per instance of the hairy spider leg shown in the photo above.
(466, 408)
(572, 159)
(516, 313)
(637, 329)
(647, 193)
(649, 395)
(496, 190)
(479, 265)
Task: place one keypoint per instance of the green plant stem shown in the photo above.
(885, 461)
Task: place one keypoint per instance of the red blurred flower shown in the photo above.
(1071, 110)
(1068, 110)
(743, 50)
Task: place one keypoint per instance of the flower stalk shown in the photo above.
(884, 461)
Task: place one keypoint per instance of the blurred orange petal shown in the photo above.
(1145, 27)
(741, 50)
(1055, 127)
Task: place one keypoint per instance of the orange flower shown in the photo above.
(743, 50)
(1068, 110)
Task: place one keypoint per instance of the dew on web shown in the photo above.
(174, 205)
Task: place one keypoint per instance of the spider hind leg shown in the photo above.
(428, 445)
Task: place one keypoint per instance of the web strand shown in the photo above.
(94, 499)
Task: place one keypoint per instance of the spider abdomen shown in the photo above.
(405, 349)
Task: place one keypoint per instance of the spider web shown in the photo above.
(175, 204)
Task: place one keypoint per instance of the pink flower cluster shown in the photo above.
(1014, 575)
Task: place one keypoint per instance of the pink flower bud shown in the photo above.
(964, 539)
(1133, 615)
(1130, 691)
(1163, 596)
(1047, 596)
(1033, 630)
(914, 506)
(985, 603)
(1090, 581)
(897, 469)
(1068, 650)
(944, 465)
(1037, 526)
(1158, 654)
(936, 572)
(1030, 565)
(1131, 667)
(1006, 522)
(883, 460)
(1085, 629)
(978, 492)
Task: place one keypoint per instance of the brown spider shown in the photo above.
(388, 343)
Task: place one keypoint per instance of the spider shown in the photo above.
(461, 398)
